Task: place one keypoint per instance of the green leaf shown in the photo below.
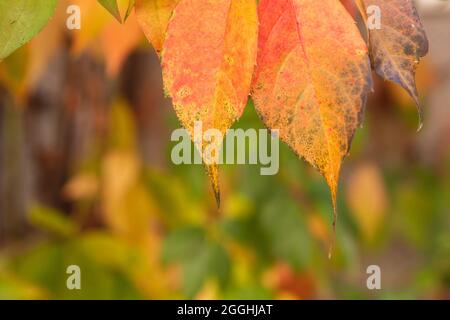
(201, 258)
(44, 267)
(52, 220)
(180, 245)
(286, 231)
(112, 7)
(211, 261)
(20, 21)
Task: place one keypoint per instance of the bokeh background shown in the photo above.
(86, 179)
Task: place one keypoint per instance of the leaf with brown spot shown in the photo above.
(398, 46)
(153, 17)
(312, 79)
(208, 60)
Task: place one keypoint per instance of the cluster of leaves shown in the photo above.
(305, 64)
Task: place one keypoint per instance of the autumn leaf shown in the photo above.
(399, 44)
(312, 79)
(208, 63)
(20, 21)
(153, 17)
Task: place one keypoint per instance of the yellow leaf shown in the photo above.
(367, 199)
(153, 17)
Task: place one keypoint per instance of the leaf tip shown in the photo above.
(332, 181)
(213, 174)
(421, 117)
(217, 197)
(420, 126)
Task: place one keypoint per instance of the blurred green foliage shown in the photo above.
(269, 240)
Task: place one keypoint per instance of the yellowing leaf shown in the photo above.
(51, 220)
(94, 20)
(126, 204)
(21, 20)
(312, 79)
(112, 7)
(367, 199)
(398, 45)
(153, 17)
(208, 60)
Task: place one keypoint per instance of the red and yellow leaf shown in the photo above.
(208, 60)
(397, 47)
(153, 17)
(312, 79)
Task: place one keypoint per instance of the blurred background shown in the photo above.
(86, 178)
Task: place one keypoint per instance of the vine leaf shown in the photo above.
(153, 17)
(397, 47)
(208, 63)
(20, 21)
(312, 80)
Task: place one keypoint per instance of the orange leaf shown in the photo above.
(208, 60)
(398, 45)
(312, 79)
(153, 17)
